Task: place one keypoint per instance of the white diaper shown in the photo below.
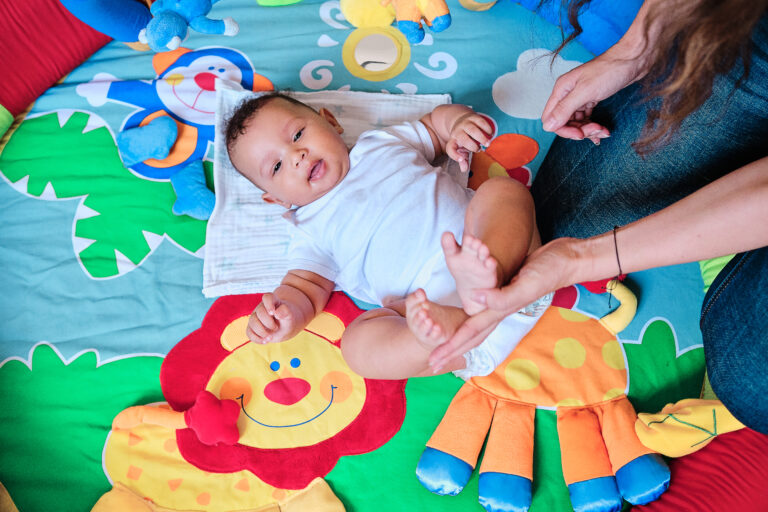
(484, 358)
(440, 287)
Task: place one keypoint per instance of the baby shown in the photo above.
(369, 220)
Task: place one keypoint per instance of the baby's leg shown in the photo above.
(499, 231)
(395, 342)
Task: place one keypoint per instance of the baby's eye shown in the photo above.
(298, 135)
(276, 167)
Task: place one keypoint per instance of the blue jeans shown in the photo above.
(582, 190)
(734, 325)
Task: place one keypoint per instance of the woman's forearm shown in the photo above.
(639, 41)
(729, 215)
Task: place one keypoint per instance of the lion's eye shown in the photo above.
(274, 366)
(295, 362)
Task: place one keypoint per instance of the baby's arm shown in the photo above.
(457, 130)
(285, 312)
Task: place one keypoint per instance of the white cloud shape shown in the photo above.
(523, 93)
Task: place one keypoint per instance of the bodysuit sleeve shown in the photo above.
(305, 254)
(412, 135)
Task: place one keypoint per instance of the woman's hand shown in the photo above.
(568, 111)
(548, 268)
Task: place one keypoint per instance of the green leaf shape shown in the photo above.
(6, 120)
(54, 421)
(78, 164)
(657, 375)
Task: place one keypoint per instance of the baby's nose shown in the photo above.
(298, 156)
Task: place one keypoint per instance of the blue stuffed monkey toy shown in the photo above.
(172, 18)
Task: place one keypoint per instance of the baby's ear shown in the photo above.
(269, 198)
(326, 114)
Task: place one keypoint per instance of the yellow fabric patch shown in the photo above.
(570, 353)
(522, 374)
(613, 355)
(572, 316)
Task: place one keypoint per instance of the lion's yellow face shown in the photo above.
(295, 393)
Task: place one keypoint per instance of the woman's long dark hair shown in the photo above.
(701, 39)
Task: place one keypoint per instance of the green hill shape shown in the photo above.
(88, 166)
(54, 421)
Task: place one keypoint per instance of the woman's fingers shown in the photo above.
(583, 130)
(552, 117)
(471, 333)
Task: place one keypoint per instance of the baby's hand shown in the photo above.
(272, 321)
(469, 133)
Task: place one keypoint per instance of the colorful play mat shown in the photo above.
(123, 387)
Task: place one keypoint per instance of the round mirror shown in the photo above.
(376, 53)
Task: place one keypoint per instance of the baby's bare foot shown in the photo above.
(432, 323)
(472, 267)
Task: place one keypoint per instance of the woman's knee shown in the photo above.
(743, 395)
(734, 326)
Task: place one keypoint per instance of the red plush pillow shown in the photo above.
(40, 44)
(730, 473)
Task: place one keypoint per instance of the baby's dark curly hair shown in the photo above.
(245, 111)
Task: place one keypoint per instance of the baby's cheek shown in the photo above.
(341, 381)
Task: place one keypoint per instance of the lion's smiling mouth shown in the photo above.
(242, 406)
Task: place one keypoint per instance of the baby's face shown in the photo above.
(291, 152)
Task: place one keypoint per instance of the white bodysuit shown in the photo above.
(377, 233)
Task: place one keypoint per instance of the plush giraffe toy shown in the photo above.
(409, 14)
(574, 364)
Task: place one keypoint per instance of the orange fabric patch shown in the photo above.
(469, 407)
(510, 443)
(133, 472)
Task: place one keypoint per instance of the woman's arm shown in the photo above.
(727, 216)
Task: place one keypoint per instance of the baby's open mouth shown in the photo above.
(317, 171)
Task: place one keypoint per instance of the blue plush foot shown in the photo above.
(500, 492)
(412, 31)
(442, 473)
(193, 197)
(644, 479)
(153, 140)
(595, 495)
(441, 23)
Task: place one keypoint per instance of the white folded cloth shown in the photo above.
(246, 238)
